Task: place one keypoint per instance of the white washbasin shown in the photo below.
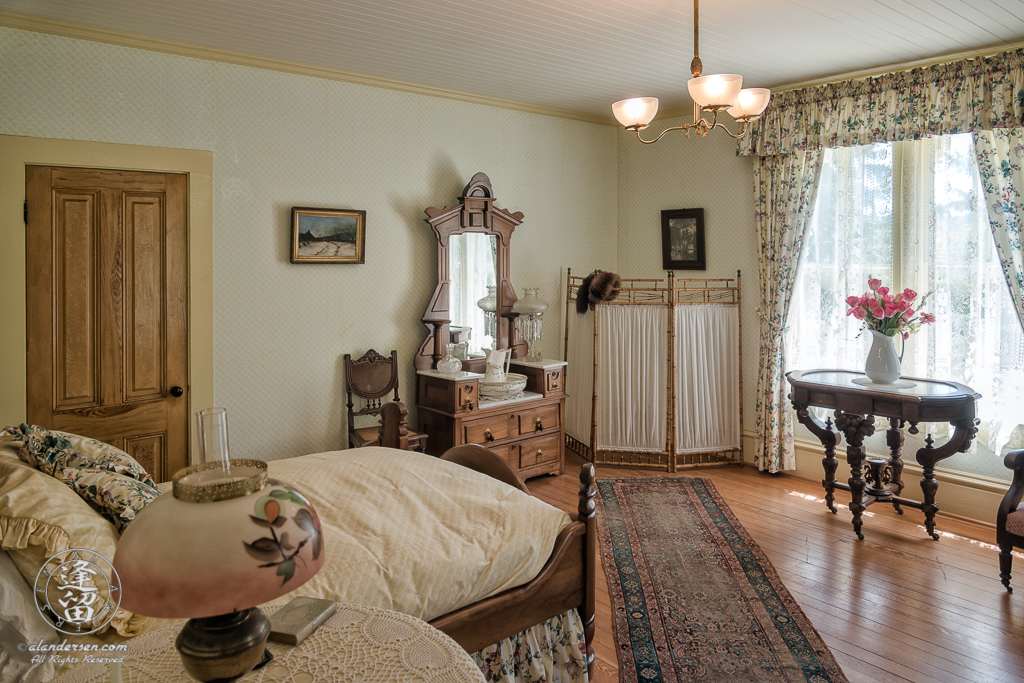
(511, 387)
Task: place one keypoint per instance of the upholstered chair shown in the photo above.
(1010, 519)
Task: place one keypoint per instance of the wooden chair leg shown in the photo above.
(1005, 561)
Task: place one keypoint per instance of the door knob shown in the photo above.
(177, 391)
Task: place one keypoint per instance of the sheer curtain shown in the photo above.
(941, 246)
(849, 238)
(947, 249)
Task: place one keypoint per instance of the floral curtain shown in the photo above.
(1000, 155)
(959, 97)
(784, 189)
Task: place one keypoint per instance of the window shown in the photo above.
(913, 214)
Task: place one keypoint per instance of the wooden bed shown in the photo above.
(566, 581)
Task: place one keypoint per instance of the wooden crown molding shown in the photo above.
(26, 22)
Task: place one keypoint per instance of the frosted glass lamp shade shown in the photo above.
(530, 304)
(717, 90)
(750, 103)
(638, 111)
(489, 303)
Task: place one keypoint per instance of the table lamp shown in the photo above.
(531, 314)
(226, 540)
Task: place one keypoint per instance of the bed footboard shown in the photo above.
(566, 581)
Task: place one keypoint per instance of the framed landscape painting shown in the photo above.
(328, 235)
(682, 239)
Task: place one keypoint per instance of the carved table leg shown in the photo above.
(828, 438)
(963, 435)
(830, 463)
(894, 440)
(855, 428)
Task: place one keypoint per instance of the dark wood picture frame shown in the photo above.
(682, 239)
(328, 235)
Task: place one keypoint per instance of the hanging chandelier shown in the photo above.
(710, 94)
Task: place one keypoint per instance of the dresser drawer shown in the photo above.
(540, 450)
(554, 381)
(488, 430)
(534, 421)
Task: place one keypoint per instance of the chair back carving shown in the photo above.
(370, 377)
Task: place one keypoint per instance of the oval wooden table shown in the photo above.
(357, 643)
(856, 402)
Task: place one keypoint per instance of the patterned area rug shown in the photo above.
(693, 597)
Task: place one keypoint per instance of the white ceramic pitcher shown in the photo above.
(498, 362)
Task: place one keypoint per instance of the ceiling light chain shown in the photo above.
(710, 93)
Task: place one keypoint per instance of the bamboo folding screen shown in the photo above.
(676, 413)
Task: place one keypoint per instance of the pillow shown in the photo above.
(51, 451)
(40, 516)
(20, 624)
(117, 497)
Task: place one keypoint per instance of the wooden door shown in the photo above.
(107, 290)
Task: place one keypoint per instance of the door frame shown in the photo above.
(17, 152)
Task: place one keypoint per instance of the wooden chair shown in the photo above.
(487, 461)
(1010, 518)
(371, 377)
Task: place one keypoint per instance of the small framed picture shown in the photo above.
(682, 239)
(328, 235)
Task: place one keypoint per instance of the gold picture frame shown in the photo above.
(328, 235)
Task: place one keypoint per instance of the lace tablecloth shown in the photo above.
(364, 644)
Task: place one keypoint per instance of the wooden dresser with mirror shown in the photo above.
(473, 239)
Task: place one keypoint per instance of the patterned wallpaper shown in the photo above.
(692, 173)
(280, 140)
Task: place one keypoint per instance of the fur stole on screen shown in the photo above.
(597, 287)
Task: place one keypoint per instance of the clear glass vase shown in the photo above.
(449, 365)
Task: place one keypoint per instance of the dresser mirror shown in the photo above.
(473, 240)
(472, 266)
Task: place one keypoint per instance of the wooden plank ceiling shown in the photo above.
(578, 55)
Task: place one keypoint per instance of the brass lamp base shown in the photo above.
(223, 648)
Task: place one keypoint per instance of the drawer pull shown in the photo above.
(469, 403)
(540, 454)
(487, 434)
(554, 386)
(539, 426)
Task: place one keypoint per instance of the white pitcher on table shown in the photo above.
(498, 362)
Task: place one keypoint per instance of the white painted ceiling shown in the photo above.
(578, 55)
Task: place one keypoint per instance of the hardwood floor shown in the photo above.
(896, 606)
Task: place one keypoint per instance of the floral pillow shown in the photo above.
(115, 496)
(52, 451)
(112, 482)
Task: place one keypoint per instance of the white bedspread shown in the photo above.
(412, 533)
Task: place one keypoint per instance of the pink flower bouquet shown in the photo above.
(888, 313)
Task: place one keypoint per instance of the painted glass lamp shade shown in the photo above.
(227, 539)
(181, 559)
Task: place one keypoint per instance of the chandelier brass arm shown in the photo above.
(700, 125)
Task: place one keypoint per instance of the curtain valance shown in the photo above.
(984, 93)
